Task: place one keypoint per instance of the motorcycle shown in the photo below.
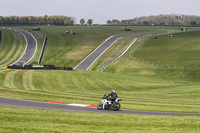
(109, 105)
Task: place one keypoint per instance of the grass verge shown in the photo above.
(20, 120)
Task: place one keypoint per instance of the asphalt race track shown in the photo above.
(31, 47)
(92, 57)
(49, 106)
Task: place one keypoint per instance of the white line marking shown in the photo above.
(26, 46)
(79, 105)
(118, 56)
(93, 52)
(102, 53)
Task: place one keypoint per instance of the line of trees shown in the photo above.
(33, 20)
(171, 19)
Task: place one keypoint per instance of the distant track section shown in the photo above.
(31, 47)
(92, 57)
(118, 56)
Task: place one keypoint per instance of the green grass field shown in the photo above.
(73, 49)
(179, 51)
(11, 48)
(142, 78)
(21, 120)
(137, 92)
(174, 58)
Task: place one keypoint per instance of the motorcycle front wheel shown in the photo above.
(116, 107)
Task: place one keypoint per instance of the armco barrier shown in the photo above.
(42, 51)
(42, 67)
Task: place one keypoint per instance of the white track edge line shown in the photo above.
(103, 52)
(93, 51)
(26, 45)
(25, 48)
(122, 53)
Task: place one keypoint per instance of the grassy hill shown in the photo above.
(73, 48)
(142, 78)
(167, 57)
(138, 92)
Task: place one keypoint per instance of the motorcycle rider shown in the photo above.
(113, 96)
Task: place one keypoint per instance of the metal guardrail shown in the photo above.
(115, 58)
(42, 51)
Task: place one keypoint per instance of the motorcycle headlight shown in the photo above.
(120, 100)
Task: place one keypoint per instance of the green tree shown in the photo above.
(145, 23)
(26, 21)
(109, 22)
(82, 21)
(115, 22)
(89, 22)
(163, 23)
(193, 23)
(1, 20)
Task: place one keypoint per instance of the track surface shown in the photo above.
(31, 46)
(41, 105)
(92, 57)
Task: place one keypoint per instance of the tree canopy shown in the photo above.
(82, 21)
(89, 21)
(162, 19)
(33, 20)
(109, 22)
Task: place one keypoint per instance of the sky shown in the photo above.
(99, 10)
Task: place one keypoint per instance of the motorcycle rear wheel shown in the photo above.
(100, 106)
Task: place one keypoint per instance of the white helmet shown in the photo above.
(113, 91)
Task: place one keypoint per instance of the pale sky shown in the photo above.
(99, 10)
